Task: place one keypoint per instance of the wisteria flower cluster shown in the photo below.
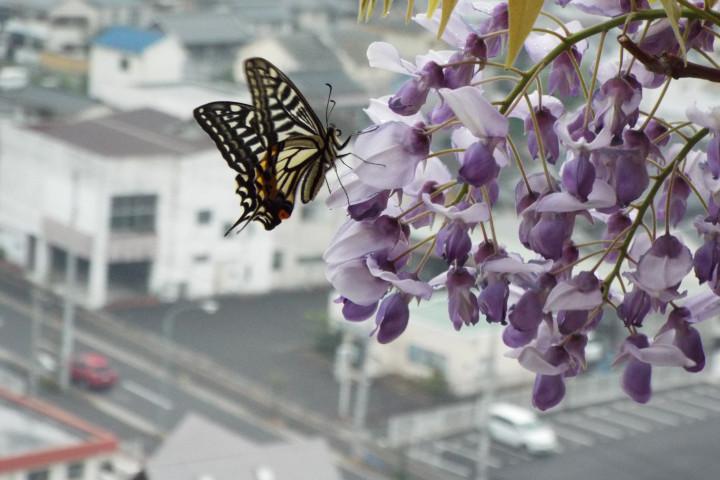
(445, 159)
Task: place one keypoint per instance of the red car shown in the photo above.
(93, 371)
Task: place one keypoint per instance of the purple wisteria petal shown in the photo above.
(498, 22)
(634, 307)
(493, 301)
(548, 391)
(353, 281)
(409, 286)
(514, 338)
(607, 8)
(601, 196)
(548, 236)
(617, 104)
(412, 95)
(453, 243)
(636, 381)
(707, 259)
(539, 45)
(546, 125)
(356, 239)
(474, 214)
(479, 167)
(379, 112)
(480, 116)
(391, 154)
(533, 360)
(663, 266)
(580, 293)
(392, 318)
(456, 30)
(357, 313)
(462, 303)
(513, 265)
(385, 56)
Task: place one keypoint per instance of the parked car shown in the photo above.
(92, 370)
(520, 428)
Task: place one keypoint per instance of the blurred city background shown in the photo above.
(139, 342)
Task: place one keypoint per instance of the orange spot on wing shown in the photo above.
(283, 214)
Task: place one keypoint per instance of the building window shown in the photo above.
(426, 358)
(310, 259)
(38, 475)
(202, 258)
(124, 64)
(133, 213)
(203, 217)
(277, 260)
(75, 471)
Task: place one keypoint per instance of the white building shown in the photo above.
(73, 23)
(430, 346)
(40, 442)
(124, 57)
(142, 201)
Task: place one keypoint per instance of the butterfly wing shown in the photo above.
(285, 117)
(233, 128)
(282, 111)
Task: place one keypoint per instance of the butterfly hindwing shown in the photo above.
(232, 126)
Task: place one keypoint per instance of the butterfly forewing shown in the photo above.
(283, 112)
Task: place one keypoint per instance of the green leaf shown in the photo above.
(386, 7)
(523, 14)
(432, 6)
(672, 8)
(447, 8)
(409, 11)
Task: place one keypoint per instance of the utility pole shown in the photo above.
(37, 318)
(361, 399)
(343, 375)
(68, 327)
(483, 409)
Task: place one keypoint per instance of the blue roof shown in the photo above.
(128, 39)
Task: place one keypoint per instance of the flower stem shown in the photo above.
(647, 202)
(582, 35)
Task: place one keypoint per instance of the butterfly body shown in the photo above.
(277, 145)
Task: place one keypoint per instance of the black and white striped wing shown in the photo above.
(233, 128)
(282, 111)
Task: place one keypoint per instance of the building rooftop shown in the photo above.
(49, 102)
(198, 448)
(128, 39)
(116, 3)
(310, 51)
(206, 28)
(136, 133)
(34, 434)
(29, 4)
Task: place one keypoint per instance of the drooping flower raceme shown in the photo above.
(618, 207)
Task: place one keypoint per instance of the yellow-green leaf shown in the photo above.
(523, 14)
(447, 8)
(672, 8)
(409, 11)
(432, 6)
(386, 6)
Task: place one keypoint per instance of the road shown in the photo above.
(675, 436)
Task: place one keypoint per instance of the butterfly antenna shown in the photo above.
(359, 158)
(327, 105)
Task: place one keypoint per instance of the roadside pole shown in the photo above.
(361, 400)
(68, 330)
(483, 410)
(343, 375)
(36, 318)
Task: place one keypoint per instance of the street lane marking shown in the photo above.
(590, 425)
(123, 415)
(147, 394)
(567, 433)
(708, 391)
(507, 450)
(619, 419)
(431, 458)
(648, 413)
(456, 448)
(698, 401)
(680, 408)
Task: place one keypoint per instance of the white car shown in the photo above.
(520, 428)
